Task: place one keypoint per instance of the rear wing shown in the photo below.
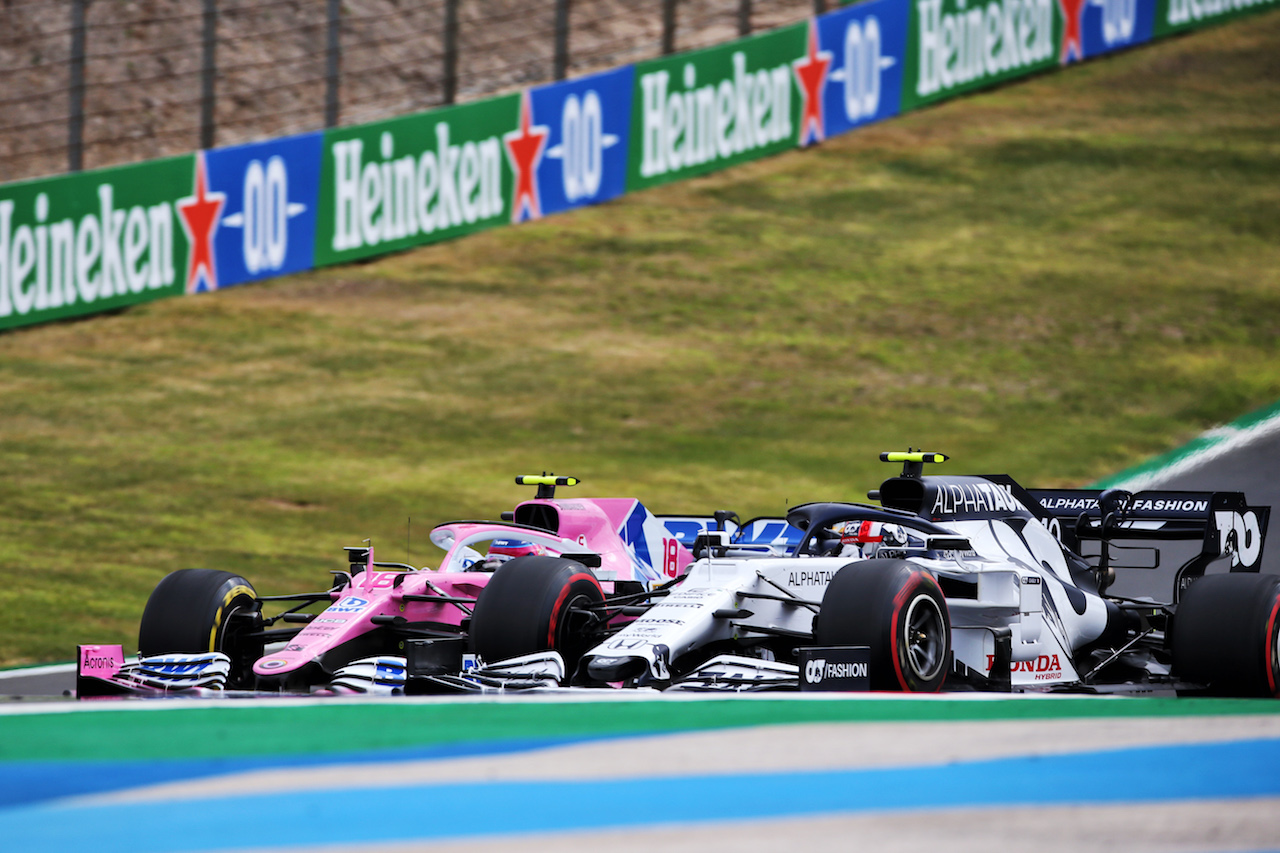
(1223, 521)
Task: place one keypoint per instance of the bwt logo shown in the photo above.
(818, 669)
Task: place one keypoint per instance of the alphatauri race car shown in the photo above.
(951, 583)
(205, 629)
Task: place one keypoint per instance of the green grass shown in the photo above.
(1055, 280)
(181, 730)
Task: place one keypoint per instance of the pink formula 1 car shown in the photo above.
(582, 561)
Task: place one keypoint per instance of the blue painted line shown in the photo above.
(1241, 769)
(31, 782)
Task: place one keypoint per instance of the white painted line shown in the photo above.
(1210, 445)
(45, 669)
(1226, 439)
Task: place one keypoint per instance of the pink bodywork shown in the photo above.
(620, 530)
(99, 661)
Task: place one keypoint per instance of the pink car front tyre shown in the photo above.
(535, 604)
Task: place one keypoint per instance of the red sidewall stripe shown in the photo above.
(916, 580)
(899, 600)
(1270, 655)
(564, 593)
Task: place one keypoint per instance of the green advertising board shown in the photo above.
(1175, 16)
(416, 179)
(954, 46)
(697, 112)
(94, 241)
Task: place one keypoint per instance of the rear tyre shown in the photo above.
(204, 610)
(533, 604)
(1226, 635)
(896, 609)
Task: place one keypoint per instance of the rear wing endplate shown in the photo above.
(1223, 521)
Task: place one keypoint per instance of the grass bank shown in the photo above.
(1055, 280)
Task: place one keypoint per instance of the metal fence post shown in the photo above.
(332, 62)
(208, 73)
(819, 7)
(744, 17)
(562, 39)
(75, 89)
(668, 27)
(450, 50)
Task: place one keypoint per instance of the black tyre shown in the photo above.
(1226, 635)
(203, 610)
(532, 604)
(897, 610)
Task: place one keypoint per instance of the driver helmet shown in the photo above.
(895, 539)
(893, 536)
(504, 550)
(858, 538)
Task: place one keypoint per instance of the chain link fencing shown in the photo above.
(92, 83)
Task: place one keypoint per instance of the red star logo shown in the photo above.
(811, 73)
(199, 214)
(524, 150)
(1072, 19)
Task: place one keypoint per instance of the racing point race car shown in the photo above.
(953, 582)
(384, 624)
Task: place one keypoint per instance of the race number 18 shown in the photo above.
(670, 557)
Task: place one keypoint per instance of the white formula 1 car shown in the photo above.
(953, 583)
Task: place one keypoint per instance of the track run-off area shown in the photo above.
(633, 770)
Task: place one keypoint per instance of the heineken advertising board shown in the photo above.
(417, 179)
(954, 46)
(1175, 16)
(696, 112)
(83, 243)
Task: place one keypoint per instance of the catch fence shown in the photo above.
(92, 83)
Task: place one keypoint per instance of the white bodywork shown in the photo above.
(751, 594)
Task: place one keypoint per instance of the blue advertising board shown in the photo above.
(267, 224)
(867, 44)
(1107, 25)
(587, 121)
